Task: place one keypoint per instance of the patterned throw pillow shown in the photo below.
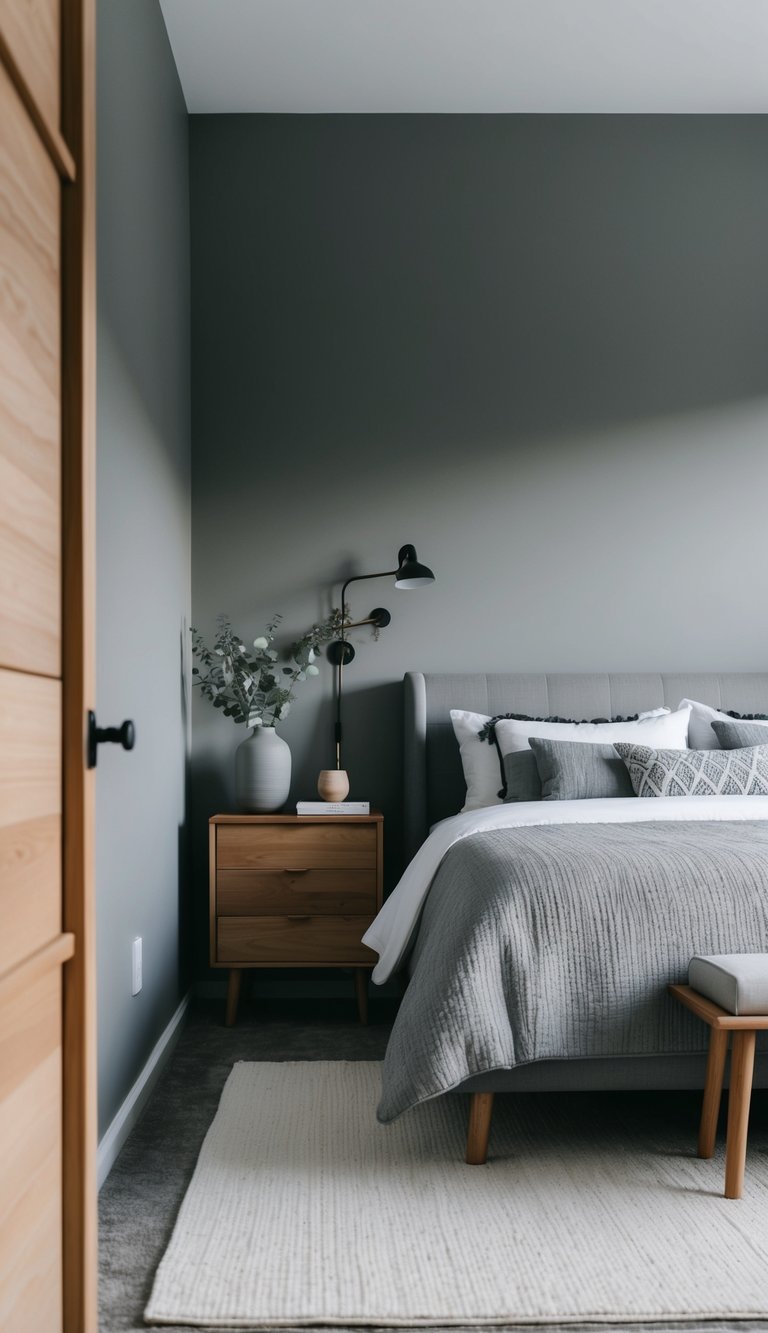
(696, 772)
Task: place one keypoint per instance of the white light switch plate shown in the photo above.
(136, 966)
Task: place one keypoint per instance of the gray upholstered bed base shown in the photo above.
(434, 789)
(642, 1073)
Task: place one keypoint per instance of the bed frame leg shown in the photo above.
(480, 1112)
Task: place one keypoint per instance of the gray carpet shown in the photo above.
(140, 1199)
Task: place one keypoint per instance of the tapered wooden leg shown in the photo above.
(713, 1088)
(233, 995)
(480, 1112)
(361, 991)
(742, 1068)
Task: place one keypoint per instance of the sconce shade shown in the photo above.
(410, 574)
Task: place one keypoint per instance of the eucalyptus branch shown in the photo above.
(243, 682)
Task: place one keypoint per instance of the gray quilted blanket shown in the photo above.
(558, 942)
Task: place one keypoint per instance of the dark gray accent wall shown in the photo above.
(533, 345)
(143, 533)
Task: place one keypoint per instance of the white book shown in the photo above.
(333, 807)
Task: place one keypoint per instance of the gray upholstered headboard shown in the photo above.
(433, 779)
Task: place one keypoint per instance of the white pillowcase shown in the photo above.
(480, 760)
(672, 727)
(700, 733)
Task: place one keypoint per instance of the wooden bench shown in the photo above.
(744, 1028)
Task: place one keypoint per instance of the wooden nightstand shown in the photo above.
(294, 891)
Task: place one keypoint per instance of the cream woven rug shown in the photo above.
(303, 1209)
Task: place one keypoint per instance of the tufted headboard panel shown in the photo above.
(433, 779)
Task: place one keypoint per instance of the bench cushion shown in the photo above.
(738, 982)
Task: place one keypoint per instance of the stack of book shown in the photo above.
(333, 807)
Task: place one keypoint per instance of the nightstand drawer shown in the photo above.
(299, 940)
(297, 846)
(266, 892)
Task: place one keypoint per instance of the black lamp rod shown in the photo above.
(357, 578)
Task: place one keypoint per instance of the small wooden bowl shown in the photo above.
(333, 784)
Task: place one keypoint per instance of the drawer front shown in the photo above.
(299, 940)
(297, 846)
(266, 892)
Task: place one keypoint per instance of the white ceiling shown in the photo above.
(471, 55)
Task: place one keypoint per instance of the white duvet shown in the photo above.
(391, 932)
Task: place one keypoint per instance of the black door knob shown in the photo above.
(124, 735)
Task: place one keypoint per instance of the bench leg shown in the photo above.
(480, 1112)
(713, 1088)
(742, 1067)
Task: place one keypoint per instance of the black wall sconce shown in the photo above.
(408, 575)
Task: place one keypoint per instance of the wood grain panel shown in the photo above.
(30, 1156)
(302, 941)
(31, 31)
(30, 748)
(30, 410)
(266, 892)
(29, 1033)
(30, 887)
(297, 846)
(78, 122)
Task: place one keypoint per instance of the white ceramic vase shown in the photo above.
(262, 772)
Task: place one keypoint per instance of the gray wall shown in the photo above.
(143, 537)
(534, 346)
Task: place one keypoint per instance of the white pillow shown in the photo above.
(480, 759)
(666, 732)
(700, 733)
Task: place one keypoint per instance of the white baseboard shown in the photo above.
(137, 1098)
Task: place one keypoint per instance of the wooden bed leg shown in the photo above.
(480, 1112)
(713, 1088)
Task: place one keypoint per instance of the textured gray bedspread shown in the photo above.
(558, 942)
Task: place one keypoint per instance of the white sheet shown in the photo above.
(390, 934)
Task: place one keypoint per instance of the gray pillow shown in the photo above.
(521, 777)
(735, 735)
(742, 772)
(575, 771)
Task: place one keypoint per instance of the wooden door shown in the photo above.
(47, 337)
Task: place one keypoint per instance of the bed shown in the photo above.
(539, 941)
